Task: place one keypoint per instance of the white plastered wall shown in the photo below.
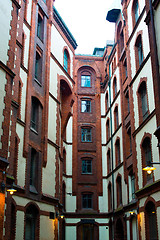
(145, 72)
(21, 160)
(26, 45)
(52, 120)
(145, 44)
(156, 24)
(148, 128)
(47, 228)
(57, 49)
(5, 17)
(23, 76)
(129, 9)
(70, 200)
(48, 173)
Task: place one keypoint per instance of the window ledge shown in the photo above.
(32, 189)
(38, 82)
(33, 130)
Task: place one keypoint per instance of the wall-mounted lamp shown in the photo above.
(53, 215)
(132, 212)
(149, 168)
(10, 189)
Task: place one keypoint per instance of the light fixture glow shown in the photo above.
(11, 190)
(149, 169)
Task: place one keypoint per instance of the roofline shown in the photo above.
(64, 28)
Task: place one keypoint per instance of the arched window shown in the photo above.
(109, 166)
(109, 197)
(31, 225)
(139, 51)
(107, 101)
(116, 120)
(146, 158)
(66, 61)
(114, 87)
(117, 152)
(108, 130)
(119, 191)
(143, 103)
(135, 12)
(151, 221)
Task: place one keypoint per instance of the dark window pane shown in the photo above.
(34, 115)
(86, 166)
(136, 11)
(87, 201)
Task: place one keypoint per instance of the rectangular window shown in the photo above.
(34, 116)
(86, 166)
(38, 67)
(85, 81)
(87, 201)
(86, 106)
(86, 135)
(33, 169)
(40, 27)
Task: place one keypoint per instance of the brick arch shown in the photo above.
(30, 204)
(117, 154)
(142, 80)
(144, 173)
(65, 48)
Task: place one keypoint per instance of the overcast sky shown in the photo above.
(86, 20)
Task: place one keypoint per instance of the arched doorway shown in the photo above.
(87, 230)
(151, 221)
(119, 234)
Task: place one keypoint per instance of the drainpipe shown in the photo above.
(155, 55)
(109, 84)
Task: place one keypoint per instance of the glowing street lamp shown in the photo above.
(149, 169)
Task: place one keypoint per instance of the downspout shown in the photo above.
(155, 54)
(109, 84)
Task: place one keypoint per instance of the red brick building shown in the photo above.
(76, 131)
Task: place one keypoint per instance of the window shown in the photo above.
(107, 101)
(109, 162)
(129, 142)
(139, 51)
(116, 117)
(131, 186)
(34, 169)
(85, 81)
(127, 102)
(87, 200)
(125, 69)
(114, 87)
(147, 155)
(121, 41)
(38, 67)
(109, 197)
(119, 191)
(117, 148)
(86, 106)
(34, 114)
(66, 60)
(136, 11)
(31, 225)
(40, 26)
(86, 166)
(86, 134)
(108, 129)
(143, 104)
(151, 221)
